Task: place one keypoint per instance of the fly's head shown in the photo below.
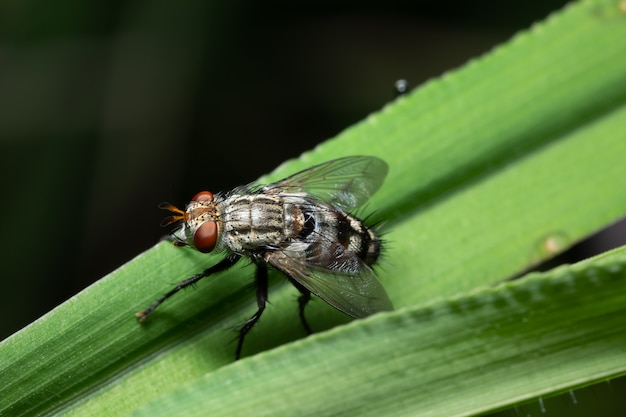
(199, 223)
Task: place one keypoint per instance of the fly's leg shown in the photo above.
(261, 299)
(221, 266)
(303, 300)
(280, 261)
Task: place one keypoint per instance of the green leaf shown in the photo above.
(494, 167)
(460, 356)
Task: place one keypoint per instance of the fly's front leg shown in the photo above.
(261, 283)
(221, 266)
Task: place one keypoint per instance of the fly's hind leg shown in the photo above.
(261, 283)
(303, 300)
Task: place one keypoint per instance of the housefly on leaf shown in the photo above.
(300, 226)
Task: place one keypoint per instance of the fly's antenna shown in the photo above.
(179, 215)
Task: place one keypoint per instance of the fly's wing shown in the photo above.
(357, 294)
(345, 183)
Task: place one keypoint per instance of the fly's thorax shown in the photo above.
(253, 221)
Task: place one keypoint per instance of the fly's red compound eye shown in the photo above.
(203, 196)
(205, 237)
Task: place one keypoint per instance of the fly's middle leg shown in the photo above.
(280, 261)
(261, 282)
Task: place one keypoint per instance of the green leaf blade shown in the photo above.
(464, 356)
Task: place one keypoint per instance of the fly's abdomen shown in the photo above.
(338, 241)
(252, 222)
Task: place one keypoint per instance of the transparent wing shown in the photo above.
(357, 294)
(345, 183)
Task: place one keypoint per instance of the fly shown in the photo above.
(300, 226)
